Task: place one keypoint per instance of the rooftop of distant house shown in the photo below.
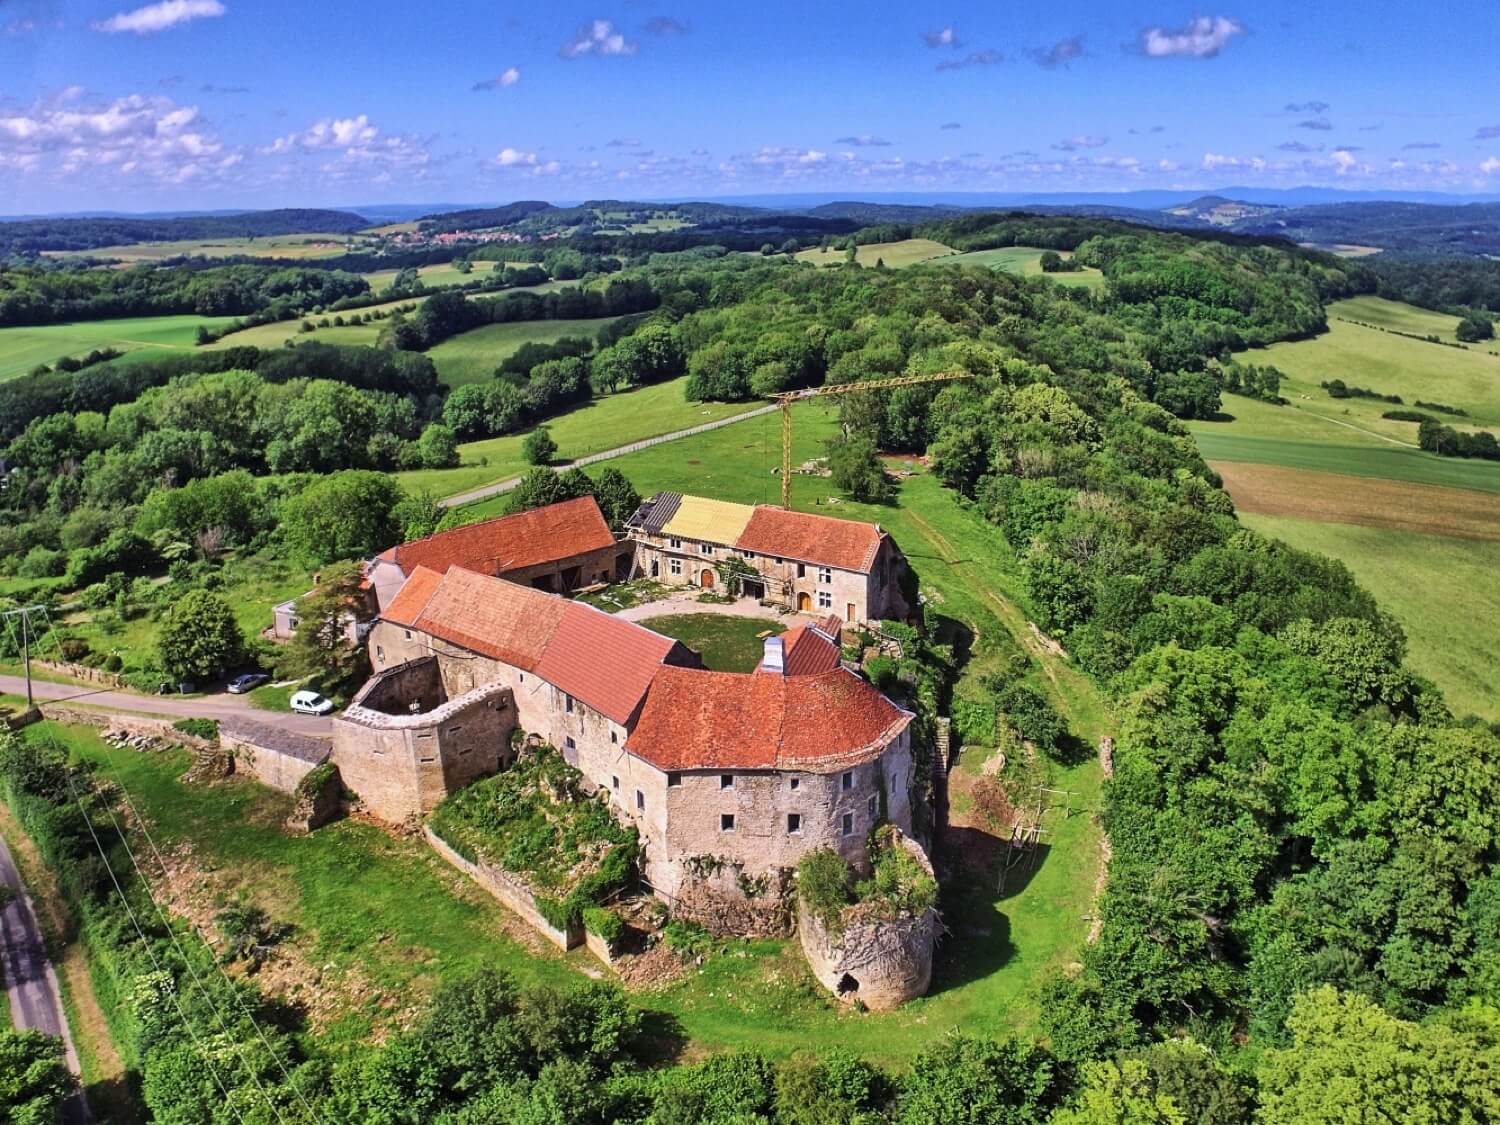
(509, 543)
(763, 529)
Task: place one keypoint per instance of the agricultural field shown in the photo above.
(1442, 590)
(907, 252)
(267, 246)
(445, 273)
(604, 423)
(23, 348)
(1027, 261)
(1330, 475)
(471, 357)
(277, 333)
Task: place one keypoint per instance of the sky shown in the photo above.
(182, 104)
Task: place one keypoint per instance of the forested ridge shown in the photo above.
(32, 236)
(1301, 918)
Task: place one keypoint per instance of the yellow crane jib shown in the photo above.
(786, 398)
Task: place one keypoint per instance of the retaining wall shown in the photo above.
(509, 891)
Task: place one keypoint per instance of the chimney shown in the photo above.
(774, 658)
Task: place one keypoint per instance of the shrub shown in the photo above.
(198, 728)
(823, 885)
(539, 448)
(41, 562)
(73, 649)
(603, 924)
(113, 663)
(687, 938)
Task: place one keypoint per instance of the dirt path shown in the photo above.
(172, 707)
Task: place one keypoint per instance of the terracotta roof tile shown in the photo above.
(490, 616)
(412, 598)
(603, 661)
(542, 535)
(806, 651)
(820, 540)
(693, 719)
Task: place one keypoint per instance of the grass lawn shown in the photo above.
(1026, 260)
(23, 348)
(604, 423)
(907, 252)
(1391, 462)
(471, 357)
(379, 917)
(1438, 589)
(727, 644)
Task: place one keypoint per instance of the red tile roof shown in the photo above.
(412, 598)
(542, 535)
(693, 719)
(806, 652)
(821, 540)
(492, 617)
(604, 661)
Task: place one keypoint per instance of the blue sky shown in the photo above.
(224, 103)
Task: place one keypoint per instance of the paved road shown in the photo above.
(35, 1000)
(462, 498)
(209, 707)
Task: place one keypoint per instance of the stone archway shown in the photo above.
(804, 602)
(707, 579)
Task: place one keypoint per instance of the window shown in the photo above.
(726, 781)
(675, 566)
(523, 677)
(825, 599)
(674, 781)
(614, 737)
(801, 570)
(846, 782)
(675, 543)
(569, 743)
(640, 801)
(794, 823)
(744, 554)
(726, 822)
(614, 782)
(380, 653)
(568, 705)
(406, 631)
(705, 548)
(848, 825)
(874, 806)
(825, 575)
(796, 783)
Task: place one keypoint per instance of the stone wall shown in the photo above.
(125, 724)
(727, 902)
(273, 756)
(81, 672)
(508, 890)
(880, 962)
(403, 765)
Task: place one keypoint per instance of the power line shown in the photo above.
(172, 934)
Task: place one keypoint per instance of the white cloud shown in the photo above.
(1072, 144)
(598, 38)
(158, 17)
(502, 81)
(511, 157)
(1490, 165)
(943, 37)
(1343, 160)
(331, 132)
(1202, 38)
(1213, 161)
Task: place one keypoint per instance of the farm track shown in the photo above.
(458, 500)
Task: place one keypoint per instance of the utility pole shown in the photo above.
(24, 614)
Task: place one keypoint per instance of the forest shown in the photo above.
(1301, 919)
(32, 236)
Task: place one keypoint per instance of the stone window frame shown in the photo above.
(706, 549)
(674, 779)
(726, 781)
(846, 828)
(380, 653)
(726, 822)
(825, 575)
(873, 805)
(794, 783)
(846, 781)
(674, 542)
(794, 824)
(614, 782)
(568, 743)
(640, 801)
(567, 703)
(674, 566)
(825, 599)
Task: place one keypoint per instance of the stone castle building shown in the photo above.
(729, 777)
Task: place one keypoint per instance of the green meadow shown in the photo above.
(1027, 261)
(907, 252)
(471, 357)
(311, 245)
(23, 348)
(602, 423)
(277, 333)
(1401, 317)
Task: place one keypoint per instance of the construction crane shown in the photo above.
(785, 400)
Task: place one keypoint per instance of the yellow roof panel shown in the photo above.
(716, 521)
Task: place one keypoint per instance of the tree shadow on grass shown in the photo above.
(662, 1039)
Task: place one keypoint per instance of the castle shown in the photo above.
(729, 777)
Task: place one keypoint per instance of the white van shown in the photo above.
(310, 703)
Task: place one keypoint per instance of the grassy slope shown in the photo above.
(604, 423)
(1026, 260)
(1402, 317)
(1438, 588)
(270, 246)
(1390, 462)
(471, 357)
(21, 349)
(907, 252)
(727, 644)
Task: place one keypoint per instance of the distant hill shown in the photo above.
(1218, 211)
(476, 218)
(1470, 229)
(32, 236)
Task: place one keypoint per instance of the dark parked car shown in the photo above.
(241, 684)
